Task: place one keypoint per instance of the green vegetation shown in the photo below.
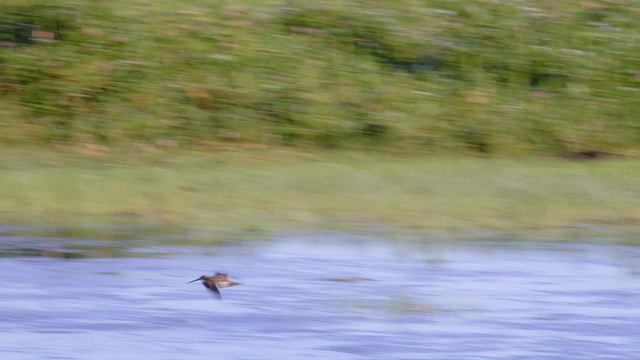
(265, 115)
(488, 76)
(257, 190)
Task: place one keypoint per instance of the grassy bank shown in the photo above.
(258, 190)
(477, 76)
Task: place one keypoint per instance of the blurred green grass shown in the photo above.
(279, 190)
(484, 76)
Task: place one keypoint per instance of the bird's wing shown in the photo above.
(214, 289)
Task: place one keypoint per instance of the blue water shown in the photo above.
(418, 300)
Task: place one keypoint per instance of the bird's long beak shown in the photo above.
(194, 280)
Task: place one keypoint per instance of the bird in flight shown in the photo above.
(216, 282)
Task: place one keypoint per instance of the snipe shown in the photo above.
(216, 282)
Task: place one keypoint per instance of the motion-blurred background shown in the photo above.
(476, 76)
(437, 179)
(253, 113)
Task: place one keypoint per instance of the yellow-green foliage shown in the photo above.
(271, 190)
(485, 75)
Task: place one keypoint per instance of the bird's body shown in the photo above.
(216, 282)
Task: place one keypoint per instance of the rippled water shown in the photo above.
(324, 297)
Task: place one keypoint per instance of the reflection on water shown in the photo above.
(328, 297)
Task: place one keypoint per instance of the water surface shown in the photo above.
(322, 297)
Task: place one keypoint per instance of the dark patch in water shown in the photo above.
(351, 279)
(34, 252)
